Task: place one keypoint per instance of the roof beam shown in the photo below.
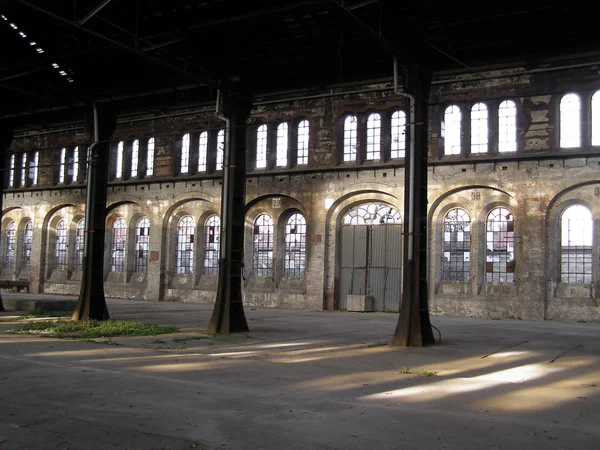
(257, 13)
(203, 79)
(93, 12)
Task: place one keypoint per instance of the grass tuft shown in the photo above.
(92, 329)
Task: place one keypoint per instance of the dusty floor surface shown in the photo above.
(302, 380)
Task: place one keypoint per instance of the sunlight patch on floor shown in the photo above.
(450, 387)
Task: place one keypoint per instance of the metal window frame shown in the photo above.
(350, 139)
(303, 142)
(79, 245)
(60, 250)
(578, 267)
(398, 128)
(263, 243)
(212, 240)
(456, 220)
(10, 244)
(119, 246)
(295, 246)
(142, 245)
(185, 245)
(373, 148)
(497, 219)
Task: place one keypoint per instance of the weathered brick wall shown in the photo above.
(535, 184)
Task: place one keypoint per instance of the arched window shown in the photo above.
(63, 162)
(373, 137)
(202, 151)
(36, 161)
(398, 132)
(185, 153)
(9, 249)
(451, 130)
(262, 258)
(79, 245)
(479, 128)
(500, 246)
(11, 171)
(142, 245)
(282, 145)
(220, 149)
(261, 147)
(135, 155)
(76, 157)
(576, 245)
(212, 232)
(372, 214)
(24, 169)
(303, 140)
(350, 138)
(119, 163)
(295, 247)
(117, 263)
(570, 121)
(61, 246)
(596, 118)
(27, 245)
(185, 245)
(150, 158)
(457, 246)
(507, 127)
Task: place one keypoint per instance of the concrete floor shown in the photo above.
(303, 380)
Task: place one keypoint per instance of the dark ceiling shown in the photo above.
(139, 52)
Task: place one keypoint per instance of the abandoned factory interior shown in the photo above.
(326, 99)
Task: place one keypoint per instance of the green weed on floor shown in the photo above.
(92, 329)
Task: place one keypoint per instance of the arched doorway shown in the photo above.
(371, 255)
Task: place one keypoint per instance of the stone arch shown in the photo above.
(332, 223)
(51, 219)
(264, 205)
(113, 206)
(333, 220)
(478, 204)
(182, 206)
(583, 193)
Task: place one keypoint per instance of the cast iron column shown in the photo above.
(92, 303)
(228, 315)
(414, 327)
(6, 137)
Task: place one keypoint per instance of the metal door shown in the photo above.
(370, 264)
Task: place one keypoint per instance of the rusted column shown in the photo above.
(6, 137)
(414, 327)
(228, 315)
(92, 303)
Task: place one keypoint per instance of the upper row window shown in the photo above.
(196, 157)
(23, 169)
(141, 155)
(374, 140)
(287, 146)
(572, 112)
(452, 129)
